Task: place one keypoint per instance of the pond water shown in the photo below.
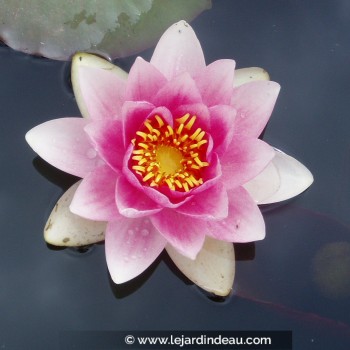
(297, 279)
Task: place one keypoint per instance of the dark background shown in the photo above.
(297, 279)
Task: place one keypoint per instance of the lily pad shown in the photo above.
(116, 28)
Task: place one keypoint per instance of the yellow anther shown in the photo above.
(142, 161)
(196, 133)
(159, 120)
(184, 138)
(189, 125)
(139, 168)
(138, 151)
(202, 142)
(194, 166)
(170, 129)
(185, 185)
(170, 184)
(143, 145)
(200, 136)
(183, 119)
(148, 126)
(178, 183)
(148, 176)
(198, 161)
(156, 131)
(179, 130)
(159, 176)
(142, 134)
(189, 181)
(137, 157)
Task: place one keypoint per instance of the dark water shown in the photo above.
(296, 279)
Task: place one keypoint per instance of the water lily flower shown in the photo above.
(169, 157)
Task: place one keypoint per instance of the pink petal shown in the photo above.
(134, 114)
(254, 103)
(184, 233)
(131, 247)
(244, 159)
(244, 222)
(222, 119)
(95, 197)
(178, 51)
(211, 204)
(107, 137)
(215, 82)
(100, 90)
(182, 90)
(199, 110)
(144, 81)
(64, 144)
(211, 175)
(134, 203)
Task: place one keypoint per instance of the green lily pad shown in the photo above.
(116, 28)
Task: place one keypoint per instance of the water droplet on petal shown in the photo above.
(242, 115)
(144, 232)
(91, 153)
(131, 232)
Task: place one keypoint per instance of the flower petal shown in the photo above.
(95, 197)
(244, 159)
(144, 81)
(254, 103)
(247, 75)
(64, 144)
(222, 121)
(107, 138)
(63, 228)
(135, 113)
(182, 90)
(244, 223)
(213, 269)
(184, 233)
(178, 51)
(133, 203)
(131, 247)
(265, 184)
(99, 86)
(294, 178)
(211, 204)
(215, 82)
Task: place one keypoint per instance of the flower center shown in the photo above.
(172, 157)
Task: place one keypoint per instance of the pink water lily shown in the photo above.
(169, 156)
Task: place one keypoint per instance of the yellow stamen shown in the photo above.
(170, 156)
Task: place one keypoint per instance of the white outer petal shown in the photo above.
(283, 178)
(64, 228)
(213, 269)
(82, 59)
(247, 75)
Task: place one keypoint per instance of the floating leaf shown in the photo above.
(117, 28)
(247, 75)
